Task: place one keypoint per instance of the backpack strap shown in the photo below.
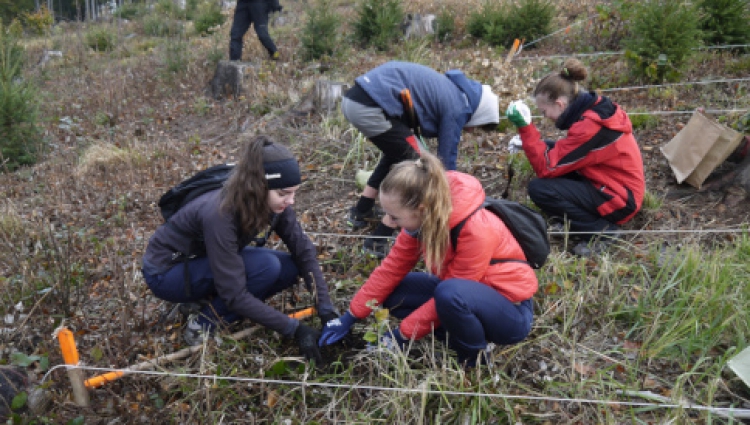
(456, 230)
(185, 257)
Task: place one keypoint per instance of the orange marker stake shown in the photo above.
(70, 356)
(68, 346)
(303, 313)
(513, 50)
(100, 380)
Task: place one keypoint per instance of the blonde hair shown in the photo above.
(564, 82)
(245, 193)
(422, 183)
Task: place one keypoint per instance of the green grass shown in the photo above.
(642, 120)
(358, 155)
(651, 201)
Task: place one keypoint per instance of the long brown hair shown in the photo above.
(245, 194)
(423, 183)
(563, 82)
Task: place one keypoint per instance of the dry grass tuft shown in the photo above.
(105, 158)
(10, 221)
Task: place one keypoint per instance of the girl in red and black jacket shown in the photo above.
(474, 299)
(594, 176)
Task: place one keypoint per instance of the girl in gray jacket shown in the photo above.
(230, 278)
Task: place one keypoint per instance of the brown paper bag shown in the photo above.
(699, 148)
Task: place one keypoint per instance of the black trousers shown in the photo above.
(253, 12)
(574, 198)
(395, 147)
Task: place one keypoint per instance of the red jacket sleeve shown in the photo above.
(549, 162)
(400, 260)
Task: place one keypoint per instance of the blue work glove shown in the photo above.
(518, 113)
(392, 340)
(336, 329)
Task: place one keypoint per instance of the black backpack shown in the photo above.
(177, 197)
(202, 182)
(526, 225)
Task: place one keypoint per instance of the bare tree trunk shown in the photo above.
(36, 5)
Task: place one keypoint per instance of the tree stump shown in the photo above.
(323, 98)
(328, 94)
(48, 54)
(229, 79)
(417, 25)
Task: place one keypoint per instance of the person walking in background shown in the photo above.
(231, 278)
(479, 290)
(443, 105)
(253, 12)
(594, 176)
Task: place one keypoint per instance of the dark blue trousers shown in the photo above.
(472, 313)
(267, 273)
(574, 198)
(253, 12)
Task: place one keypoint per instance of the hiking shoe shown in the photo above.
(556, 227)
(275, 56)
(196, 333)
(480, 358)
(593, 247)
(189, 309)
(378, 247)
(357, 220)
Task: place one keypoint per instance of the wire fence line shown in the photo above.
(616, 53)
(620, 52)
(729, 230)
(423, 390)
(686, 83)
(566, 28)
(710, 111)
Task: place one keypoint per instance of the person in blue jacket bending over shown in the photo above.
(443, 106)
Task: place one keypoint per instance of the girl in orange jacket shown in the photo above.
(464, 293)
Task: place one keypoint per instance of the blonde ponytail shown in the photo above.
(422, 183)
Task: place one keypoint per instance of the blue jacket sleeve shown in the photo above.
(449, 136)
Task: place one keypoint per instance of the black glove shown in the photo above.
(307, 341)
(327, 317)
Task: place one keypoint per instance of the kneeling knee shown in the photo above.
(448, 295)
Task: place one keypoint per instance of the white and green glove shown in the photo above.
(518, 113)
